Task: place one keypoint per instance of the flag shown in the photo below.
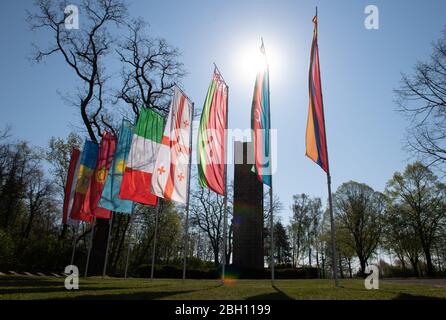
(109, 199)
(260, 123)
(94, 192)
(86, 169)
(211, 136)
(316, 144)
(70, 185)
(137, 179)
(170, 178)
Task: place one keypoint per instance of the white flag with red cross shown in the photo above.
(170, 175)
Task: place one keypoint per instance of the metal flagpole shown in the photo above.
(186, 223)
(73, 252)
(330, 201)
(333, 229)
(89, 248)
(110, 223)
(225, 205)
(154, 240)
(130, 238)
(271, 186)
(271, 217)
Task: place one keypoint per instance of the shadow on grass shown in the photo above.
(144, 295)
(29, 282)
(141, 295)
(406, 296)
(278, 295)
(61, 288)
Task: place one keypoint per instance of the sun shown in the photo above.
(252, 61)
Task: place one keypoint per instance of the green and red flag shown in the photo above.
(316, 142)
(260, 123)
(212, 136)
(140, 163)
(94, 192)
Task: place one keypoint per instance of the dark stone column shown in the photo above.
(248, 210)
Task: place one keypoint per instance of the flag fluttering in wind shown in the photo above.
(316, 139)
(316, 144)
(109, 199)
(170, 176)
(260, 123)
(212, 137)
(86, 169)
(139, 167)
(103, 162)
(70, 186)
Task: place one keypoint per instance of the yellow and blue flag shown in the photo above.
(110, 195)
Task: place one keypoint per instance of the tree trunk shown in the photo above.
(309, 256)
(63, 232)
(216, 257)
(121, 243)
(100, 238)
(429, 264)
(362, 262)
(29, 224)
(350, 271)
(340, 267)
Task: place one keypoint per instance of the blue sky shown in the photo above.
(359, 68)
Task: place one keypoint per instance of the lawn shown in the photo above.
(24, 287)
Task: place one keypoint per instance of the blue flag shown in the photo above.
(109, 199)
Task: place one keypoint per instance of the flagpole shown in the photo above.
(110, 223)
(271, 217)
(130, 237)
(271, 213)
(154, 240)
(73, 252)
(330, 201)
(89, 248)
(225, 205)
(186, 223)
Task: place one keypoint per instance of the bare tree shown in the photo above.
(58, 156)
(38, 197)
(83, 50)
(150, 69)
(207, 213)
(422, 97)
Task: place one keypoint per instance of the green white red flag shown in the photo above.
(170, 177)
(139, 167)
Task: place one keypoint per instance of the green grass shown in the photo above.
(22, 287)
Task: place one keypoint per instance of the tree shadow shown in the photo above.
(141, 295)
(59, 289)
(144, 295)
(407, 296)
(31, 282)
(278, 295)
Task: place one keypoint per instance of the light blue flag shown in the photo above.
(110, 199)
